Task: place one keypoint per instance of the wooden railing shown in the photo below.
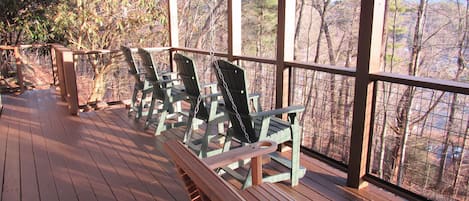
(63, 58)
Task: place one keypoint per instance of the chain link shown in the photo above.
(222, 78)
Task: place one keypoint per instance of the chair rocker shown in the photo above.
(140, 86)
(202, 183)
(208, 107)
(259, 125)
(164, 91)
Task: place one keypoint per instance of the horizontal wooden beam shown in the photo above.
(199, 51)
(323, 68)
(425, 82)
(255, 59)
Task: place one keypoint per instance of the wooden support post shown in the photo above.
(53, 61)
(256, 167)
(234, 29)
(60, 71)
(285, 49)
(173, 30)
(368, 60)
(19, 66)
(70, 81)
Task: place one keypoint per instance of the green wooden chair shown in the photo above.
(250, 127)
(203, 107)
(165, 91)
(140, 87)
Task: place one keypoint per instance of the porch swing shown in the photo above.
(248, 126)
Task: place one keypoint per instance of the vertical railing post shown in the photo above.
(70, 81)
(173, 30)
(285, 49)
(368, 61)
(234, 29)
(53, 63)
(19, 68)
(60, 71)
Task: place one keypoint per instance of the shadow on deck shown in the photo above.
(47, 154)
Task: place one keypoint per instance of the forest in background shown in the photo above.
(419, 135)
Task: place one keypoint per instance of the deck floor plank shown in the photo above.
(57, 147)
(48, 155)
(29, 187)
(45, 178)
(4, 129)
(143, 146)
(108, 166)
(11, 184)
(134, 157)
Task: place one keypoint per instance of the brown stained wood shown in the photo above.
(137, 159)
(46, 183)
(52, 131)
(368, 61)
(322, 68)
(173, 23)
(432, 83)
(234, 29)
(29, 188)
(4, 129)
(11, 186)
(102, 155)
(159, 165)
(106, 160)
(200, 173)
(81, 170)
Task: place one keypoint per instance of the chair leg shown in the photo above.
(205, 141)
(221, 127)
(140, 106)
(248, 182)
(295, 157)
(160, 126)
(132, 101)
(150, 111)
(188, 132)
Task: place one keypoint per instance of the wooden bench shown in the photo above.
(202, 183)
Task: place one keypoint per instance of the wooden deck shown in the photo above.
(47, 154)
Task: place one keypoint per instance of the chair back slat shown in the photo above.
(151, 72)
(187, 72)
(235, 78)
(133, 69)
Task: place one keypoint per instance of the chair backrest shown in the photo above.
(235, 78)
(188, 73)
(133, 69)
(151, 71)
(201, 182)
(149, 65)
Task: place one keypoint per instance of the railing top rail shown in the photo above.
(431, 83)
(199, 51)
(255, 59)
(85, 52)
(323, 68)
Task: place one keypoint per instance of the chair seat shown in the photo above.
(278, 131)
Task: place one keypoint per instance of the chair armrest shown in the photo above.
(167, 81)
(290, 109)
(211, 95)
(255, 101)
(169, 74)
(209, 85)
(156, 49)
(249, 151)
(254, 96)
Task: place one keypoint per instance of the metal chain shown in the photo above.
(222, 78)
(196, 109)
(233, 105)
